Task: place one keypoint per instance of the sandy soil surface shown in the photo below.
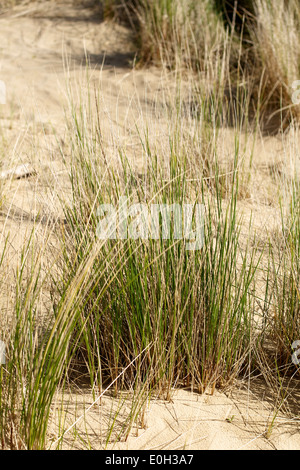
(43, 44)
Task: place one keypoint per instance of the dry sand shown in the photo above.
(40, 45)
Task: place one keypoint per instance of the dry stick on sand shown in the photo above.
(21, 171)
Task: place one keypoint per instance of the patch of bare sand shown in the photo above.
(240, 420)
(42, 46)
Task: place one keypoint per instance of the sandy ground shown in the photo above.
(40, 45)
(237, 420)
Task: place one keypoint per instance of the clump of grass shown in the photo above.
(275, 38)
(176, 33)
(189, 35)
(285, 295)
(192, 309)
(38, 350)
(179, 33)
(277, 353)
(18, 425)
